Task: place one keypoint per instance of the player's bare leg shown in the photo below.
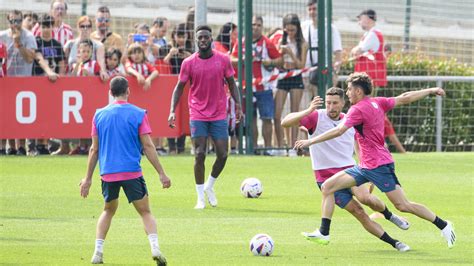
(222, 148)
(200, 144)
(363, 195)
(149, 222)
(103, 225)
(400, 201)
(372, 227)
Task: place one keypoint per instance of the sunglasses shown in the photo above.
(85, 26)
(15, 21)
(102, 20)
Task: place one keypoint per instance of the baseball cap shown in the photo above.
(369, 13)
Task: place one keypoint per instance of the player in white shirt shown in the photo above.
(335, 156)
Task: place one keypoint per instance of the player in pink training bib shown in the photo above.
(207, 70)
(366, 115)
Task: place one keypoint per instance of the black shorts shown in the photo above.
(287, 84)
(135, 189)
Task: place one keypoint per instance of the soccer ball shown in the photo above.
(261, 245)
(251, 188)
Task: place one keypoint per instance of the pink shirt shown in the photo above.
(207, 96)
(142, 130)
(367, 117)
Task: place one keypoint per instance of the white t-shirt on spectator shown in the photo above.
(306, 27)
(72, 45)
(370, 41)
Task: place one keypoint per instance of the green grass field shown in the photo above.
(44, 221)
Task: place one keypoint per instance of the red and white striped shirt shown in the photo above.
(3, 60)
(118, 71)
(61, 34)
(144, 68)
(89, 68)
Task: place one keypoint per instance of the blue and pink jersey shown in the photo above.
(120, 176)
(207, 95)
(367, 117)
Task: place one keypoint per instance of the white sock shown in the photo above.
(153, 238)
(200, 191)
(210, 182)
(99, 246)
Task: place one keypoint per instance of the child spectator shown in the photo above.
(85, 65)
(138, 66)
(112, 61)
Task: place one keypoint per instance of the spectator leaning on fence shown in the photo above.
(21, 47)
(62, 32)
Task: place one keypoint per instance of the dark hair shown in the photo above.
(14, 12)
(118, 86)
(103, 9)
(46, 20)
(113, 51)
(258, 18)
(335, 91)
(87, 42)
(292, 19)
(203, 27)
(224, 34)
(311, 2)
(160, 21)
(142, 26)
(59, 1)
(361, 80)
(30, 14)
(370, 13)
(179, 29)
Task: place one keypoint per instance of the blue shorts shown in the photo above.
(341, 197)
(383, 177)
(265, 104)
(218, 129)
(135, 189)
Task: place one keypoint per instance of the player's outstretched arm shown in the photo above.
(330, 134)
(293, 119)
(86, 182)
(150, 153)
(413, 96)
(178, 91)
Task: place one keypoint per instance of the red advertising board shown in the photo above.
(34, 107)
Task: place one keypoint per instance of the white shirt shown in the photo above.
(333, 153)
(306, 27)
(369, 41)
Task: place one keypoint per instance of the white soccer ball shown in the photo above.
(261, 245)
(251, 188)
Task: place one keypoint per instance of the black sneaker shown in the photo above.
(3, 152)
(11, 151)
(21, 151)
(42, 150)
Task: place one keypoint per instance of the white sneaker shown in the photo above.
(448, 234)
(399, 221)
(200, 204)
(211, 197)
(97, 258)
(292, 153)
(402, 247)
(317, 237)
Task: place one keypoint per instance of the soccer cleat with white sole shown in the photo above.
(200, 204)
(317, 237)
(97, 258)
(448, 234)
(399, 221)
(402, 247)
(211, 196)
